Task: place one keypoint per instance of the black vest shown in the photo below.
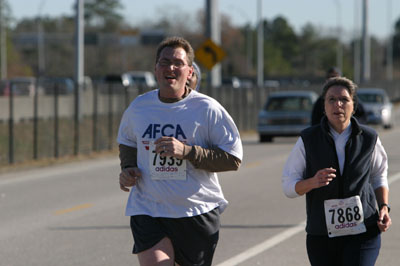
(321, 153)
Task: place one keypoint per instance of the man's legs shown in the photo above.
(188, 240)
(161, 254)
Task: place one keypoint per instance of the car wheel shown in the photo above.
(265, 138)
(387, 126)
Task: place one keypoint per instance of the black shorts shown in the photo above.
(194, 238)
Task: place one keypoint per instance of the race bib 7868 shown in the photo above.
(344, 216)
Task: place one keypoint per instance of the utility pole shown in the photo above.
(79, 46)
(366, 53)
(357, 40)
(3, 41)
(389, 48)
(260, 46)
(39, 74)
(40, 41)
(79, 42)
(339, 52)
(213, 32)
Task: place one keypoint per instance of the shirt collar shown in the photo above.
(345, 132)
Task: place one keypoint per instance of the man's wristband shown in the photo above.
(383, 205)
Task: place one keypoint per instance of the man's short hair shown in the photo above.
(333, 72)
(176, 42)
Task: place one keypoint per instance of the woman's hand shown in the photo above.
(384, 221)
(322, 178)
(382, 196)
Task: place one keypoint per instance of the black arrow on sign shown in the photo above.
(208, 49)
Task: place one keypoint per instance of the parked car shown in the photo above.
(377, 106)
(233, 82)
(20, 86)
(286, 113)
(270, 83)
(4, 87)
(141, 79)
(64, 85)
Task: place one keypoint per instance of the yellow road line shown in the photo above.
(253, 164)
(75, 208)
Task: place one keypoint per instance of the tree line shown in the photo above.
(114, 46)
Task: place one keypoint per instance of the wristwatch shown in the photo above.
(384, 204)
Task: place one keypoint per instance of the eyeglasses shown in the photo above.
(168, 63)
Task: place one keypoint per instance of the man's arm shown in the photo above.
(127, 156)
(212, 160)
(129, 171)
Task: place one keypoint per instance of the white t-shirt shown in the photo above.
(195, 120)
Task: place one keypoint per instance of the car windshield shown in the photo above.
(370, 97)
(289, 103)
(140, 80)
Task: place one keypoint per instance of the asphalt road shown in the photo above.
(73, 214)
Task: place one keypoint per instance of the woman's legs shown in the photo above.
(361, 250)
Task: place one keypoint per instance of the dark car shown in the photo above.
(233, 82)
(63, 85)
(286, 113)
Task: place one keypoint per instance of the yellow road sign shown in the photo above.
(209, 54)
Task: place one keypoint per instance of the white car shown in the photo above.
(377, 106)
(144, 79)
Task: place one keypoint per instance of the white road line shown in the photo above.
(267, 244)
(275, 240)
(394, 178)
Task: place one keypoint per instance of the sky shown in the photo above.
(326, 15)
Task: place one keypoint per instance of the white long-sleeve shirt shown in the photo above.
(295, 166)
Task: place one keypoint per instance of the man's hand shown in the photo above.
(170, 146)
(128, 178)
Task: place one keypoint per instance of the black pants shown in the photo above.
(356, 250)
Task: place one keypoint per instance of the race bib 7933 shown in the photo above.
(165, 167)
